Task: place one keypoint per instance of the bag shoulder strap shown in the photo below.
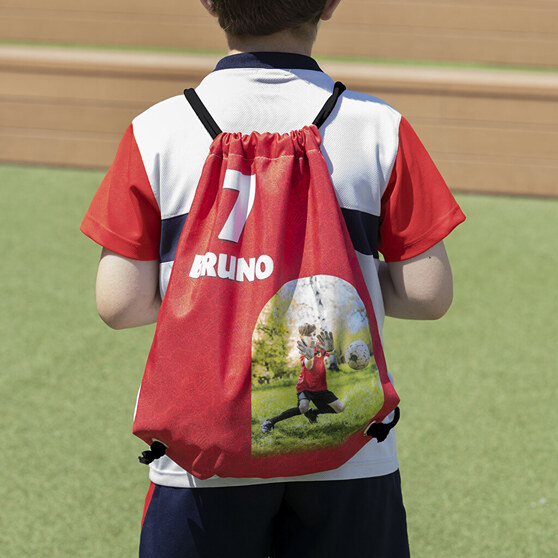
(329, 105)
(202, 112)
(213, 129)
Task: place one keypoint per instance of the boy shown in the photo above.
(312, 382)
(393, 200)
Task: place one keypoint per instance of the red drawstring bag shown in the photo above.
(266, 360)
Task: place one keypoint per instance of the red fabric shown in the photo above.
(315, 378)
(418, 210)
(195, 395)
(124, 215)
(148, 497)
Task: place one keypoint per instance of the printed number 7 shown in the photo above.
(245, 185)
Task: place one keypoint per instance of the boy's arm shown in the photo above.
(127, 290)
(420, 288)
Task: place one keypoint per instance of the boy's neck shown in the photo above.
(284, 41)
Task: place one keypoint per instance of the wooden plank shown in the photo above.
(474, 108)
(514, 111)
(499, 3)
(92, 88)
(87, 88)
(524, 18)
(476, 139)
(131, 7)
(104, 62)
(521, 16)
(495, 176)
(497, 84)
(420, 44)
(57, 148)
(68, 28)
(67, 116)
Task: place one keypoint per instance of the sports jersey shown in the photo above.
(392, 197)
(313, 379)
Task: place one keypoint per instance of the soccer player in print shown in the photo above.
(312, 382)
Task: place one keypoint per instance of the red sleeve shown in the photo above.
(124, 215)
(418, 210)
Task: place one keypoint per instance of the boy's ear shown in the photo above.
(208, 5)
(330, 7)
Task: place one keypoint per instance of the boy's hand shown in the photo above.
(306, 351)
(325, 340)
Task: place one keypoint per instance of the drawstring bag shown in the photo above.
(266, 360)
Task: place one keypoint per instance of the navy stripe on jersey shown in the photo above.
(171, 229)
(282, 60)
(363, 230)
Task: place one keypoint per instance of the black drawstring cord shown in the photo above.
(157, 449)
(379, 430)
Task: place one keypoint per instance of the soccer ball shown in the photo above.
(357, 355)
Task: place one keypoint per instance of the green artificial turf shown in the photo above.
(72, 485)
(477, 445)
(476, 440)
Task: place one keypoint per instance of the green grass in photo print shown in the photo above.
(359, 390)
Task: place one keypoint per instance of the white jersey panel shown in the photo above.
(360, 138)
(173, 145)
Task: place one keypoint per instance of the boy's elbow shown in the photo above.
(110, 315)
(420, 288)
(127, 291)
(437, 307)
(112, 322)
(125, 313)
(437, 311)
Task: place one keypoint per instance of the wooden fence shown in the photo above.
(507, 32)
(489, 131)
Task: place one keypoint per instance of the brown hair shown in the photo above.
(265, 17)
(306, 329)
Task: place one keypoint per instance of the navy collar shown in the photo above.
(268, 60)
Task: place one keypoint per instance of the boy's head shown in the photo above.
(307, 333)
(263, 17)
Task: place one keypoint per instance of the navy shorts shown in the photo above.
(360, 518)
(321, 399)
